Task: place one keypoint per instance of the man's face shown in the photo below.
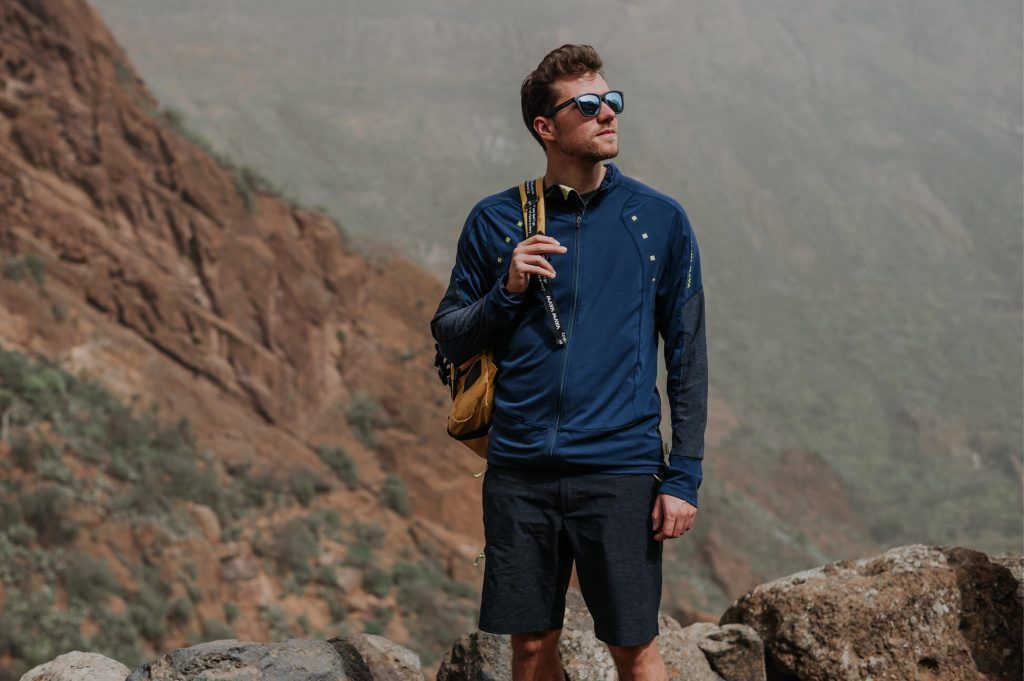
(575, 134)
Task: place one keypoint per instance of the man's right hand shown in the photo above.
(528, 258)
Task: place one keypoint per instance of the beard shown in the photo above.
(591, 150)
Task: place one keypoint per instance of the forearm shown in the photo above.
(462, 332)
(688, 400)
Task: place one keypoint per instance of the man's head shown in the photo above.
(564, 73)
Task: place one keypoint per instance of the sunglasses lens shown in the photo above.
(614, 100)
(589, 104)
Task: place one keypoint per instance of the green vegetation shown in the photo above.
(292, 547)
(436, 608)
(365, 538)
(341, 463)
(394, 496)
(377, 581)
(140, 469)
(364, 416)
(15, 267)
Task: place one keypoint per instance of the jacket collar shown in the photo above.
(555, 193)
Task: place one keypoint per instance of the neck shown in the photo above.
(583, 176)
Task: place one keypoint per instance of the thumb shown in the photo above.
(656, 515)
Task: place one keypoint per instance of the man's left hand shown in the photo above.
(672, 516)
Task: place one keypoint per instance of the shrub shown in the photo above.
(45, 510)
(14, 268)
(362, 416)
(88, 579)
(277, 621)
(180, 611)
(117, 638)
(365, 537)
(341, 463)
(295, 545)
(215, 630)
(35, 267)
(393, 495)
(303, 485)
(377, 581)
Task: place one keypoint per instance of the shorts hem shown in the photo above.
(625, 642)
(507, 630)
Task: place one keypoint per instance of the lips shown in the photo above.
(606, 132)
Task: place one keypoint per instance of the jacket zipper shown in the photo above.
(575, 299)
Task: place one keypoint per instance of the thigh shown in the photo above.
(527, 556)
(617, 558)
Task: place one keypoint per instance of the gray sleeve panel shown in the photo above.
(476, 309)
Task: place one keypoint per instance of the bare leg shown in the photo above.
(535, 656)
(639, 663)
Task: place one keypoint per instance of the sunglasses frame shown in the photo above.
(600, 98)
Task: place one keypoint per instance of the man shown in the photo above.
(576, 469)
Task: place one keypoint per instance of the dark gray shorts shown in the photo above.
(538, 521)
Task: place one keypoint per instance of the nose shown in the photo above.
(605, 113)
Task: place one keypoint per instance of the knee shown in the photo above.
(535, 643)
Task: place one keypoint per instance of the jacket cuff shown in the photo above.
(683, 478)
(504, 303)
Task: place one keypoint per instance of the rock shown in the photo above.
(206, 520)
(734, 651)
(700, 652)
(478, 656)
(913, 612)
(78, 666)
(356, 657)
(386, 660)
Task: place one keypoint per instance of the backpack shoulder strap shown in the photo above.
(531, 197)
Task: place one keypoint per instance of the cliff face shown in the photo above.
(259, 323)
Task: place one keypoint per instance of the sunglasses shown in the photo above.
(590, 103)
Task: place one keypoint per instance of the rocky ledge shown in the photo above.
(913, 612)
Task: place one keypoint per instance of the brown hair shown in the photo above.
(567, 60)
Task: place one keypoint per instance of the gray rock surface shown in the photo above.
(78, 666)
(700, 652)
(355, 657)
(384, 659)
(913, 612)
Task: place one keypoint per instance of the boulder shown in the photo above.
(355, 657)
(914, 612)
(78, 666)
(700, 652)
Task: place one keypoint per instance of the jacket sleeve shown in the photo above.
(477, 309)
(680, 319)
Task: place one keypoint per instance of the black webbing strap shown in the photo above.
(533, 214)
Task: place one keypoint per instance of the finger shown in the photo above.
(656, 515)
(540, 238)
(672, 527)
(539, 261)
(532, 269)
(544, 247)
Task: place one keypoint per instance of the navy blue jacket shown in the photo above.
(630, 274)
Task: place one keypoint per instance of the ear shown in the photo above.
(545, 127)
